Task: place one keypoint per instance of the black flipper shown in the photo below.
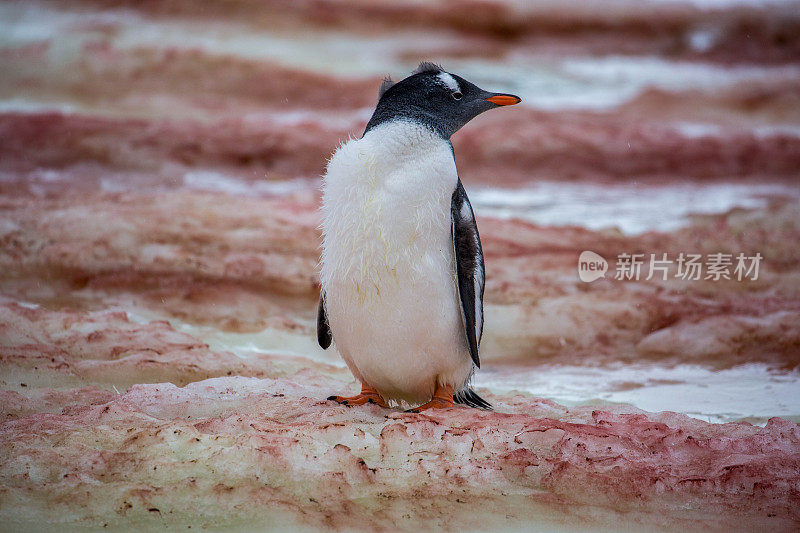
(467, 396)
(469, 269)
(324, 335)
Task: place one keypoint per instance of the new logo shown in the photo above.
(591, 266)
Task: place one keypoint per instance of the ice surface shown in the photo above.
(159, 238)
(632, 207)
(542, 81)
(750, 392)
(234, 450)
(605, 82)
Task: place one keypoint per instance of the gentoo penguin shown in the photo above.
(402, 271)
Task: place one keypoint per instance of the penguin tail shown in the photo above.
(467, 396)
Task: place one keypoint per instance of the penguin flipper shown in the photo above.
(324, 335)
(470, 270)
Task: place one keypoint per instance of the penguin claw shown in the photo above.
(430, 405)
(442, 399)
(367, 396)
(340, 400)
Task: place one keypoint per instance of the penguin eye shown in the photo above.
(457, 95)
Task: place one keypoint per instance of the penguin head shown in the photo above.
(438, 99)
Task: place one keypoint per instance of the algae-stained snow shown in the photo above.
(159, 187)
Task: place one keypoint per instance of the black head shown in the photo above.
(440, 100)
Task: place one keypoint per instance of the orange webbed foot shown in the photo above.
(442, 399)
(367, 395)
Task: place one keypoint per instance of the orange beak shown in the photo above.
(504, 99)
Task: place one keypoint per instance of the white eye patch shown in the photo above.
(449, 81)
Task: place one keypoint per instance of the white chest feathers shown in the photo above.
(388, 266)
(386, 207)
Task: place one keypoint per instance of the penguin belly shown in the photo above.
(388, 266)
